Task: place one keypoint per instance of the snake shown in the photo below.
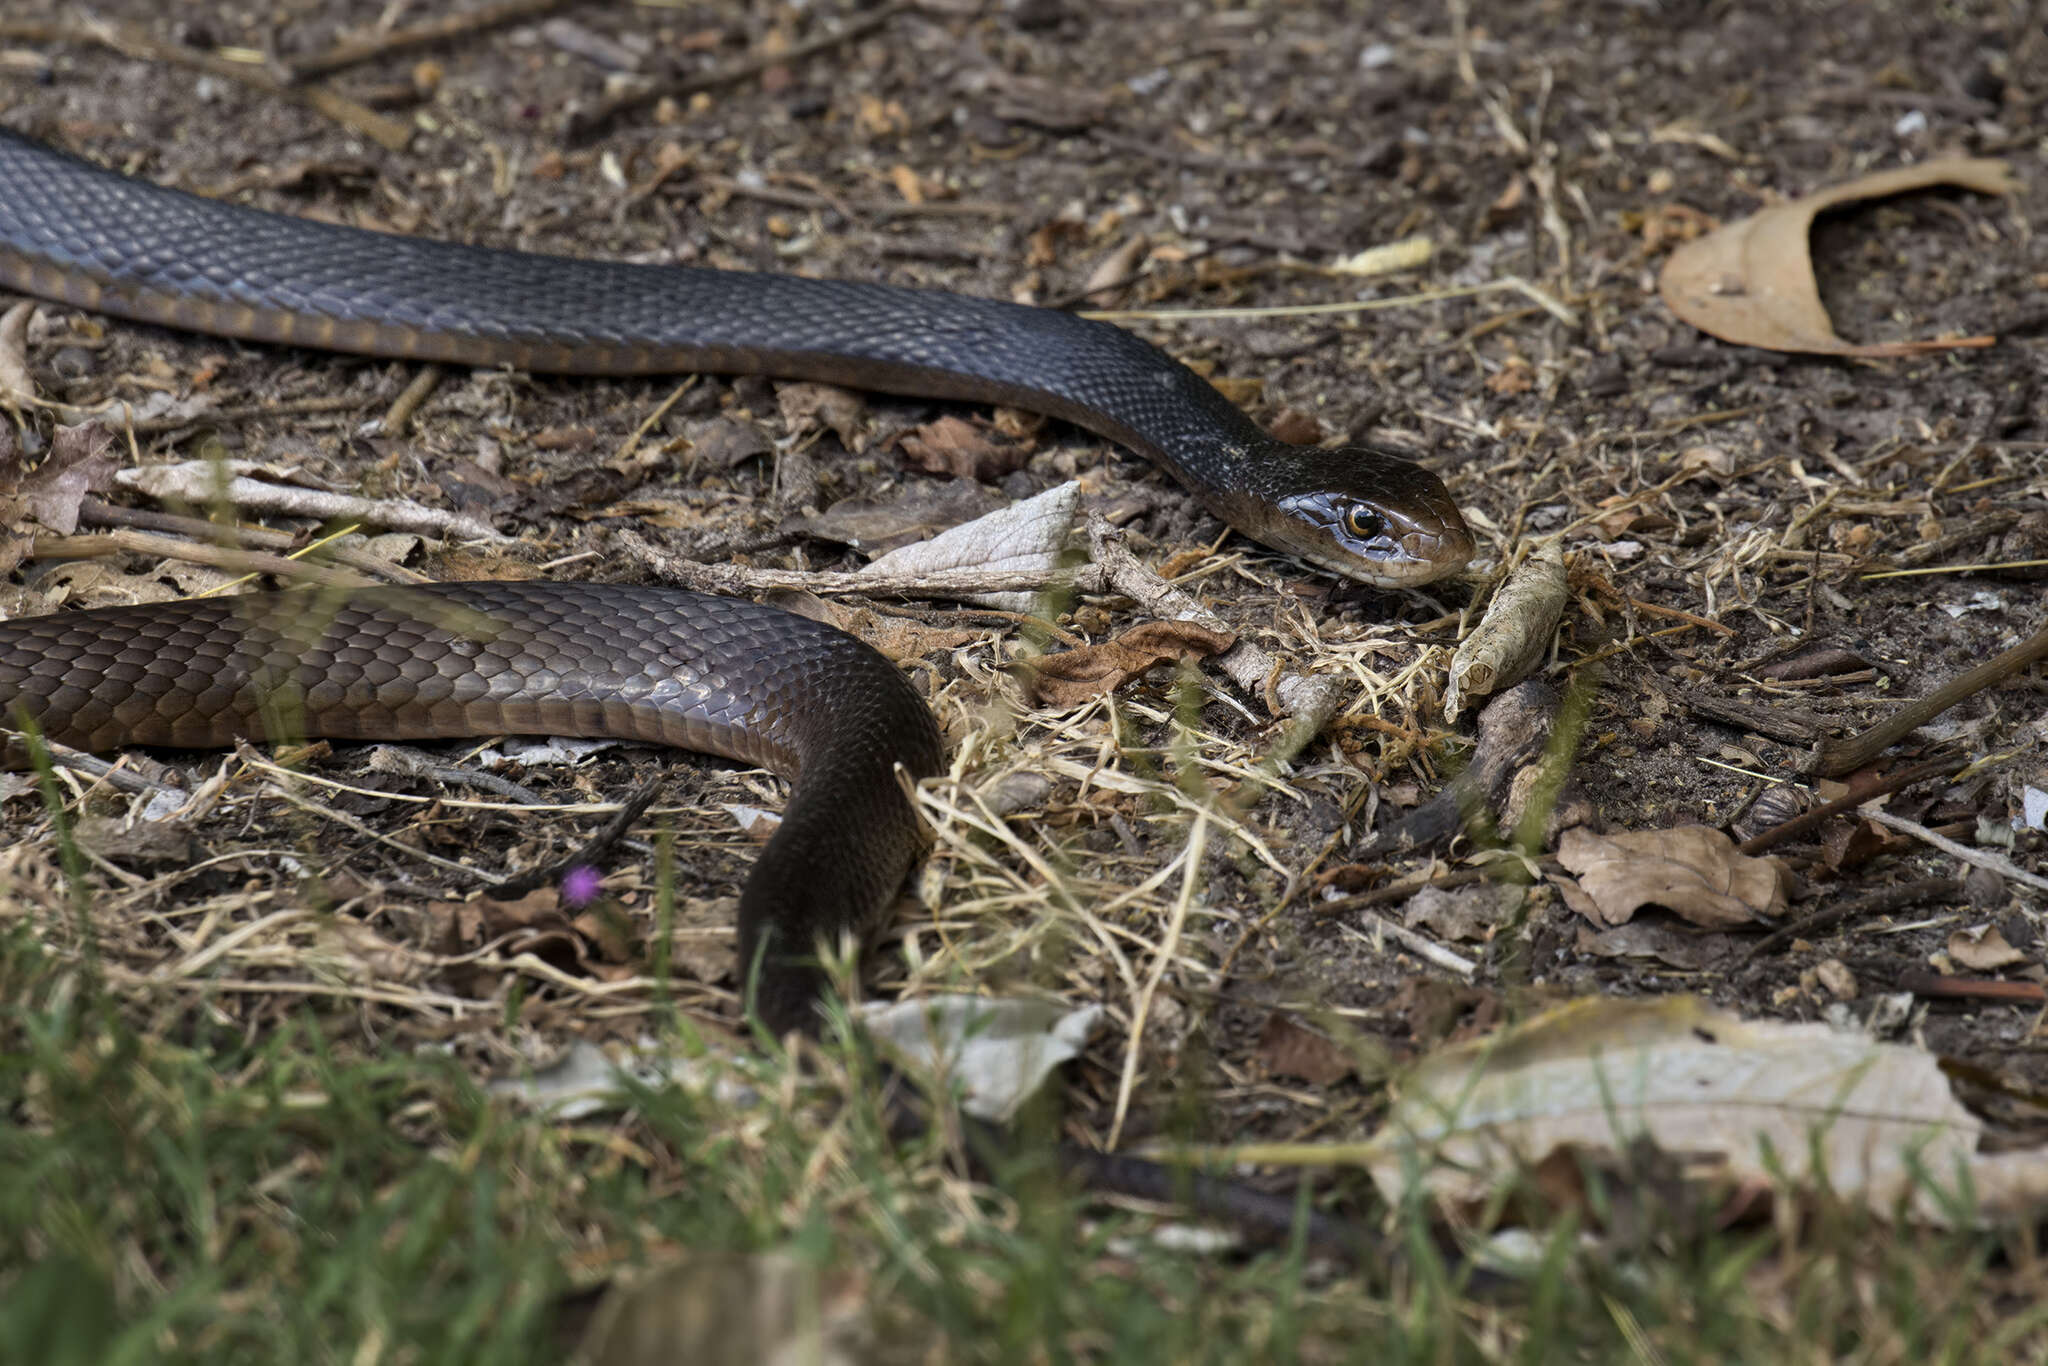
(729, 677)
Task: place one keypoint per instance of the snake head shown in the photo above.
(1368, 515)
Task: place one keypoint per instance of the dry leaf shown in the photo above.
(1116, 269)
(1658, 939)
(715, 1308)
(1983, 949)
(1296, 428)
(1739, 1101)
(806, 407)
(1073, 676)
(1467, 913)
(1834, 974)
(49, 495)
(900, 638)
(1291, 1050)
(954, 446)
(1408, 253)
(992, 1053)
(1752, 282)
(1693, 871)
(1706, 462)
(1026, 537)
(725, 442)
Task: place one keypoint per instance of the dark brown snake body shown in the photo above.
(705, 673)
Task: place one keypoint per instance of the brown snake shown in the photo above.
(680, 668)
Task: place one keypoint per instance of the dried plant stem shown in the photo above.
(1833, 758)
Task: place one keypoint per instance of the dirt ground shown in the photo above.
(1011, 150)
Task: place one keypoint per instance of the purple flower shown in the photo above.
(581, 885)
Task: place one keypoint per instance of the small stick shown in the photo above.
(398, 416)
(925, 583)
(132, 41)
(202, 482)
(593, 120)
(1969, 988)
(1833, 758)
(248, 412)
(1978, 858)
(114, 774)
(98, 513)
(1857, 908)
(851, 208)
(1420, 945)
(1810, 820)
(192, 552)
(354, 51)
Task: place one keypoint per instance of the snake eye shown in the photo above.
(1363, 523)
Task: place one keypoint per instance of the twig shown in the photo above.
(399, 415)
(1857, 908)
(851, 208)
(591, 853)
(248, 412)
(98, 513)
(353, 51)
(137, 42)
(588, 122)
(1977, 858)
(1968, 988)
(1420, 945)
(940, 583)
(1810, 820)
(1833, 758)
(192, 552)
(205, 482)
(113, 774)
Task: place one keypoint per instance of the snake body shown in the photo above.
(681, 668)
(661, 665)
(73, 232)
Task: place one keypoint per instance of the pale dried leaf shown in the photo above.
(1982, 948)
(1752, 282)
(716, 1308)
(997, 1050)
(1022, 537)
(1693, 871)
(1514, 635)
(1408, 253)
(1739, 1101)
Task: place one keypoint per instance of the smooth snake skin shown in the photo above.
(701, 672)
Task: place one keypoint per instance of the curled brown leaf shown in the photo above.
(1752, 282)
(1073, 676)
(1693, 871)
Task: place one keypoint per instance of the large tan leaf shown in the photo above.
(1744, 1101)
(1692, 870)
(1752, 282)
